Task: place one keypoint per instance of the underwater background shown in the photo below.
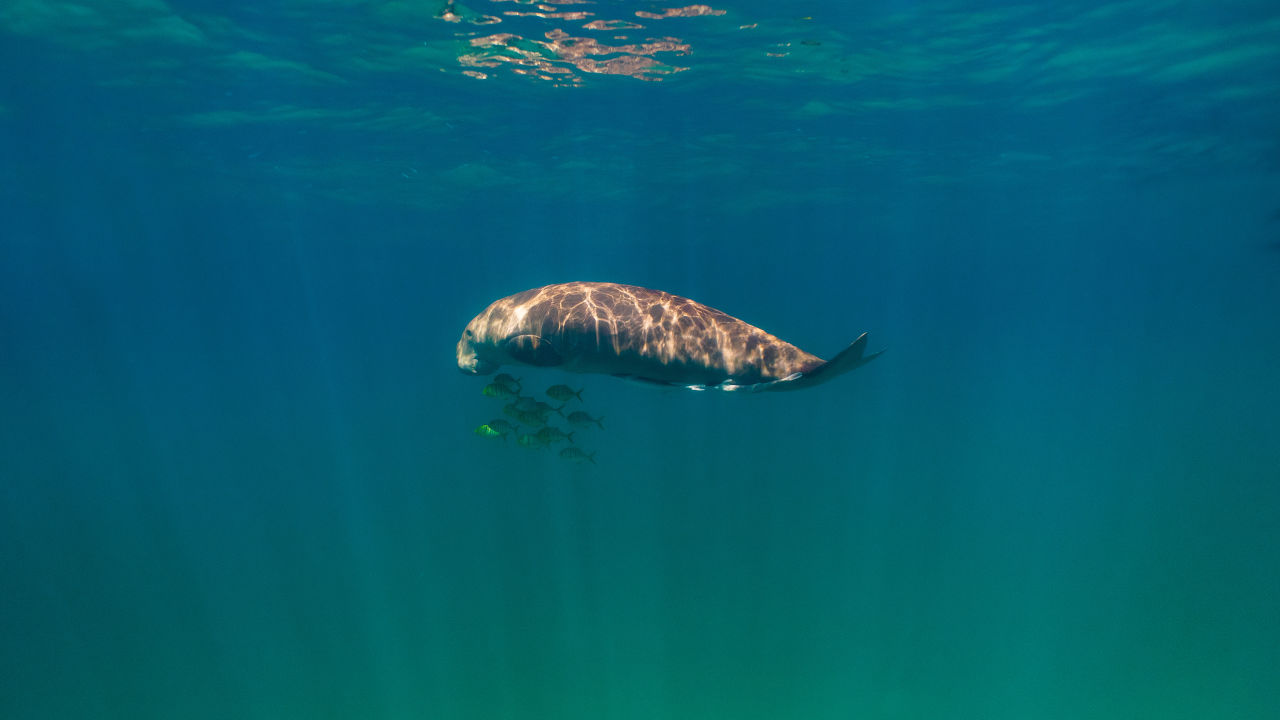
(238, 469)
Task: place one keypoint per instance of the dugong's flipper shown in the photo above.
(848, 359)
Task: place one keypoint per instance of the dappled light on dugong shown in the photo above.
(641, 334)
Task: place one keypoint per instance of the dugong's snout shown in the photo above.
(468, 353)
(470, 363)
(479, 367)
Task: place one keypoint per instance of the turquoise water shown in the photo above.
(238, 474)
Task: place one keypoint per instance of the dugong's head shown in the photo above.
(507, 324)
(476, 354)
(482, 347)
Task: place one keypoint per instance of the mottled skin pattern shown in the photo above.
(626, 330)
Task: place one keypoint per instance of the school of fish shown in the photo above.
(529, 420)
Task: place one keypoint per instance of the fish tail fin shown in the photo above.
(850, 358)
(578, 394)
(592, 457)
(559, 409)
(570, 436)
(600, 422)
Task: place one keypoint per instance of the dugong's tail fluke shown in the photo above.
(848, 359)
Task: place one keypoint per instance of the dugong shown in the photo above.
(641, 334)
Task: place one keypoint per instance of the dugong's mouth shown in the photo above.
(476, 366)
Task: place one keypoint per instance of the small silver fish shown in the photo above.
(524, 417)
(502, 426)
(510, 383)
(550, 435)
(496, 390)
(488, 431)
(577, 455)
(580, 419)
(544, 409)
(528, 440)
(562, 393)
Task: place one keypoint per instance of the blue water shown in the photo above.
(238, 474)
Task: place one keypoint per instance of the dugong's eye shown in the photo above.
(468, 332)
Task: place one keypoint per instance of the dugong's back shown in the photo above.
(630, 330)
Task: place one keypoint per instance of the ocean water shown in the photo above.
(238, 473)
